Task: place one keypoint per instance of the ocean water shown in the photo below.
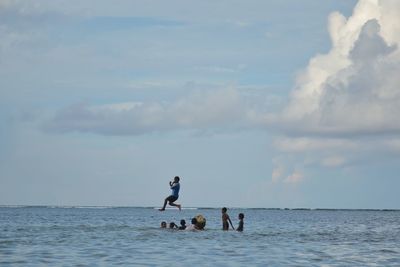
(73, 236)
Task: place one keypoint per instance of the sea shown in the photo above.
(128, 236)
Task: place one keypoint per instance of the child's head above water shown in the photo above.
(183, 222)
(163, 224)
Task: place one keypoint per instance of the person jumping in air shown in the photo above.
(175, 186)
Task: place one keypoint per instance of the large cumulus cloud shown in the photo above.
(344, 108)
(354, 89)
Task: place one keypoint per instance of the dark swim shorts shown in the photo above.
(172, 198)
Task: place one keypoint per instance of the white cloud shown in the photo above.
(304, 144)
(277, 173)
(355, 87)
(119, 107)
(344, 108)
(219, 109)
(284, 174)
(294, 178)
(333, 161)
(223, 69)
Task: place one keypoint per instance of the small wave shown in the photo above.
(80, 207)
(20, 206)
(13, 206)
(170, 208)
(388, 251)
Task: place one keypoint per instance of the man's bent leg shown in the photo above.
(175, 205)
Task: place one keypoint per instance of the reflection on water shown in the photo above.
(130, 236)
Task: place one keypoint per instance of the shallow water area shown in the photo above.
(55, 236)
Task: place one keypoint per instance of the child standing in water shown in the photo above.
(241, 223)
(175, 186)
(225, 220)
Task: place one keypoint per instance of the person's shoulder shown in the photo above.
(190, 228)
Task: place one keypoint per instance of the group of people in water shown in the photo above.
(226, 221)
(175, 187)
(183, 225)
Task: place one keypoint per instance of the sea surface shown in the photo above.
(104, 236)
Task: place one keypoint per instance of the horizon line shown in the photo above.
(194, 207)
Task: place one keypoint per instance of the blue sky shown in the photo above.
(253, 103)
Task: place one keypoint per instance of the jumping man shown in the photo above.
(175, 186)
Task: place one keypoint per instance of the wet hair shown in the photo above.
(171, 225)
(163, 224)
(183, 222)
(194, 221)
(224, 209)
(177, 178)
(241, 216)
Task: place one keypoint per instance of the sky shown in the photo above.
(263, 104)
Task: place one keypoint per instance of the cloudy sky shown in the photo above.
(252, 103)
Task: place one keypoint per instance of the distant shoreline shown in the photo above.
(189, 208)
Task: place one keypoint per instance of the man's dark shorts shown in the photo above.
(171, 199)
